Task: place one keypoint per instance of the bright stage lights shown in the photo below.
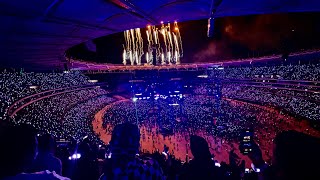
(134, 99)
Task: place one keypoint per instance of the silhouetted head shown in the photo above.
(18, 149)
(84, 149)
(199, 148)
(46, 143)
(125, 140)
(296, 155)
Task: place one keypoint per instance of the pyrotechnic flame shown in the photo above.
(163, 62)
(168, 48)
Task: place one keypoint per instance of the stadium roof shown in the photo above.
(35, 34)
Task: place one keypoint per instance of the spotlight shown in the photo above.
(134, 99)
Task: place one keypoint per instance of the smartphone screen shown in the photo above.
(246, 142)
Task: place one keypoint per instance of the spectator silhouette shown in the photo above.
(296, 156)
(46, 159)
(87, 166)
(124, 163)
(201, 166)
(18, 151)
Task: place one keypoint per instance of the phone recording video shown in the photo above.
(246, 141)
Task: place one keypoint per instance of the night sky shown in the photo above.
(234, 37)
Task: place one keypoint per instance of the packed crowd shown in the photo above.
(77, 121)
(308, 72)
(16, 85)
(191, 117)
(52, 114)
(283, 99)
(49, 114)
(24, 157)
(69, 115)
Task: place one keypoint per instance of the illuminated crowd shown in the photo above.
(192, 112)
(310, 72)
(54, 114)
(303, 104)
(51, 115)
(16, 85)
(78, 120)
(188, 117)
(69, 113)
